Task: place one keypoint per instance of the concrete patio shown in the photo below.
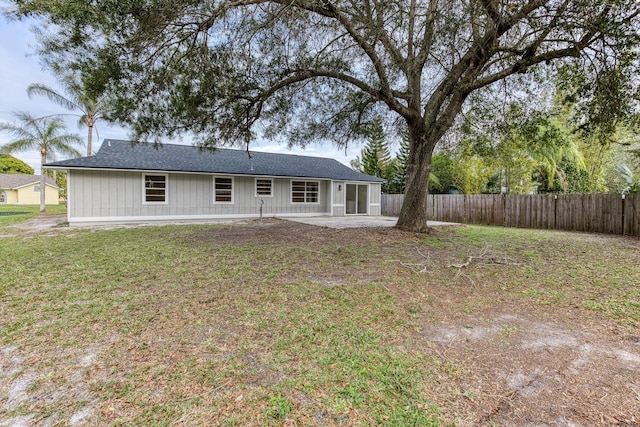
(358, 221)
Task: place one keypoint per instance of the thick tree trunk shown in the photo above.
(413, 215)
(424, 135)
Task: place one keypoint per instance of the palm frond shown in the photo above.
(19, 145)
(24, 131)
(26, 118)
(53, 96)
(45, 134)
(625, 173)
(64, 144)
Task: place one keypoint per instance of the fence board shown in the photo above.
(454, 208)
(631, 216)
(613, 223)
(563, 213)
(473, 214)
(390, 204)
(600, 213)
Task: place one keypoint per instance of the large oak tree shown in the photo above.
(310, 70)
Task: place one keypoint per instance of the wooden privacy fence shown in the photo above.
(598, 213)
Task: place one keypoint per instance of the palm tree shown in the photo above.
(45, 134)
(631, 181)
(77, 99)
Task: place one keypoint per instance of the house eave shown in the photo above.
(103, 169)
(32, 183)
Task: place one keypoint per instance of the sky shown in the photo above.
(20, 67)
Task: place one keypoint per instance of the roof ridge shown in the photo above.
(235, 150)
(16, 180)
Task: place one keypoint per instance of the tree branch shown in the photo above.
(384, 38)
(306, 74)
(427, 38)
(528, 61)
(366, 47)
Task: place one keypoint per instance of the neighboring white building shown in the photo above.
(126, 182)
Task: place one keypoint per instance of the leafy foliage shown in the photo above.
(61, 181)
(307, 71)
(529, 151)
(399, 180)
(376, 158)
(375, 155)
(445, 169)
(10, 164)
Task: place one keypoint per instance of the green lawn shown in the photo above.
(13, 214)
(263, 325)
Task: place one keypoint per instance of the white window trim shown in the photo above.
(256, 187)
(233, 187)
(166, 189)
(303, 203)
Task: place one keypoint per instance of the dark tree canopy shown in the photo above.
(309, 70)
(10, 164)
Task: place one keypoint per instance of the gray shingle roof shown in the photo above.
(123, 155)
(11, 181)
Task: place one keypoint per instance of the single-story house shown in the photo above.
(22, 189)
(127, 182)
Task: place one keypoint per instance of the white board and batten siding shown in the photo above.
(108, 196)
(375, 198)
(338, 197)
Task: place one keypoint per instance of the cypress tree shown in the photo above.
(376, 155)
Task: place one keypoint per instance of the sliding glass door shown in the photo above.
(357, 199)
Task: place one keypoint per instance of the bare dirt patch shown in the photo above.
(23, 386)
(48, 224)
(531, 368)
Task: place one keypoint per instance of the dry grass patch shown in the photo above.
(279, 323)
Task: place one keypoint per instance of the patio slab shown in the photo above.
(358, 221)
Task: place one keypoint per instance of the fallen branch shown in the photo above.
(461, 274)
(420, 267)
(484, 259)
(464, 264)
(415, 267)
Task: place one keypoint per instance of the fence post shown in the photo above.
(623, 218)
(504, 209)
(555, 211)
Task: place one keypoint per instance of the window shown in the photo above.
(223, 190)
(155, 188)
(264, 187)
(36, 188)
(304, 191)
